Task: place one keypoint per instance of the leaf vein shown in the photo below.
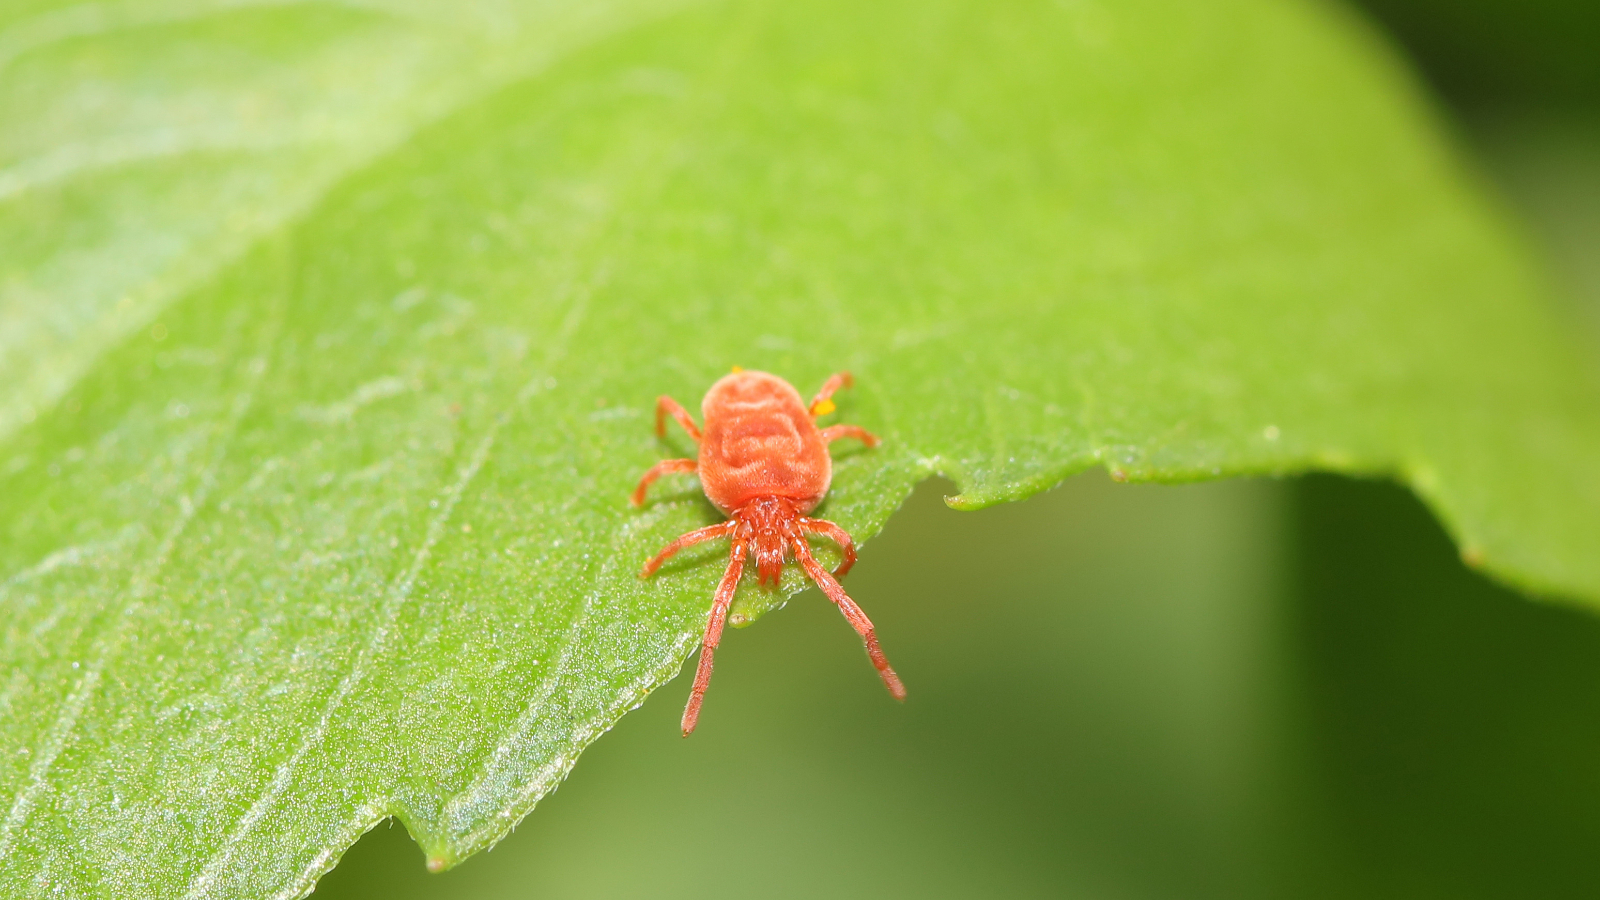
(398, 593)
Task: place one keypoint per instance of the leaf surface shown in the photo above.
(332, 334)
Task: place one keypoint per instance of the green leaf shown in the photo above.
(1550, 164)
(332, 335)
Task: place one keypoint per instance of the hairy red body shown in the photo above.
(764, 463)
(760, 441)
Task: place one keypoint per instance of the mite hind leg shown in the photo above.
(834, 432)
(666, 406)
(665, 467)
(821, 404)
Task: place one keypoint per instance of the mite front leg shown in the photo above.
(666, 406)
(836, 534)
(853, 614)
(697, 536)
(834, 432)
(713, 636)
(665, 467)
(821, 405)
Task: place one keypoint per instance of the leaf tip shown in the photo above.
(967, 501)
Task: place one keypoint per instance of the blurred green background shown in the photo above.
(1241, 689)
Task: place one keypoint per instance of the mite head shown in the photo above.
(768, 525)
(769, 557)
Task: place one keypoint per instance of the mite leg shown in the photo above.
(853, 615)
(665, 467)
(708, 645)
(834, 432)
(820, 404)
(836, 534)
(666, 406)
(697, 536)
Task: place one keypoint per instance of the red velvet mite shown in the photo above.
(764, 463)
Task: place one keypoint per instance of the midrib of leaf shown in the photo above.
(505, 788)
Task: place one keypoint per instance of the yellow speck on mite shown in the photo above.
(823, 408)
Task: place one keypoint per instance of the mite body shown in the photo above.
(764, 463)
